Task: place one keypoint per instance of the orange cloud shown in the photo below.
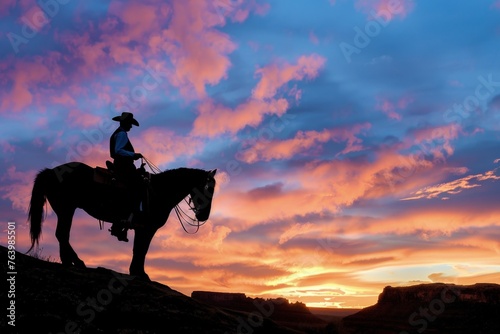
(295, 230)
(265, 150)
(468, 280)
(215, 119)
(337, 183)
(454, 187)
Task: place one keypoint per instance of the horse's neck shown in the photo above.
(174, 185)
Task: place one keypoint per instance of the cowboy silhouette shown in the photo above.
(123, 154)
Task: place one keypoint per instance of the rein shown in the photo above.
(182, 216)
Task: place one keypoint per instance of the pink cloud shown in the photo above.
(496, 4)
(36, 17)
(64, 99)
(28, 8)
(437, 140)
(7, 147)
(138, 17)
(216, 119)
(405, 101)
(388, 108)
(6, 6)
(273, 77)
(140, 21)
(238, 11)
(391, 108)
(164, 146)
(198, 52)
(127, 22)
(80, 119)
(92, 54)
(303, 142)
(386, 8)
(17, 187)
(313, 38)
(32, 81)
(25, 77)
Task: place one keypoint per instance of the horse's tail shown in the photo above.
(38, 200)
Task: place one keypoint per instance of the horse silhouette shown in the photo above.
(71, 186)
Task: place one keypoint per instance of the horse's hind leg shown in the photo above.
(66, 252)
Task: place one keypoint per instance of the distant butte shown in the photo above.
(430, 308)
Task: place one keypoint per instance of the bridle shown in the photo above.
(184, 218)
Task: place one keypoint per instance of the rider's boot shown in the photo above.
(119, 229)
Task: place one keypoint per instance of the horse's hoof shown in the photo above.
(79, 264)
(141, 276)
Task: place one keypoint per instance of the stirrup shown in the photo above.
(119, 233)
(120, 228)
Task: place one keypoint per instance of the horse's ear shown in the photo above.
(212, 172)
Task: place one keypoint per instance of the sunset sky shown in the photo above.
(357, 142)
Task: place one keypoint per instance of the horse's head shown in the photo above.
(202, 194)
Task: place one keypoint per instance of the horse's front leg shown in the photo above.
(142, 240)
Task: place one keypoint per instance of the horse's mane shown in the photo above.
(180, 175)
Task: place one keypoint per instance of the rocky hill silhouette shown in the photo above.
(51, 298)
(430, 308)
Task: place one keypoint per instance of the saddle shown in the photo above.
(107, 176)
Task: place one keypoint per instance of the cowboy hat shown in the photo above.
(126, 117)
